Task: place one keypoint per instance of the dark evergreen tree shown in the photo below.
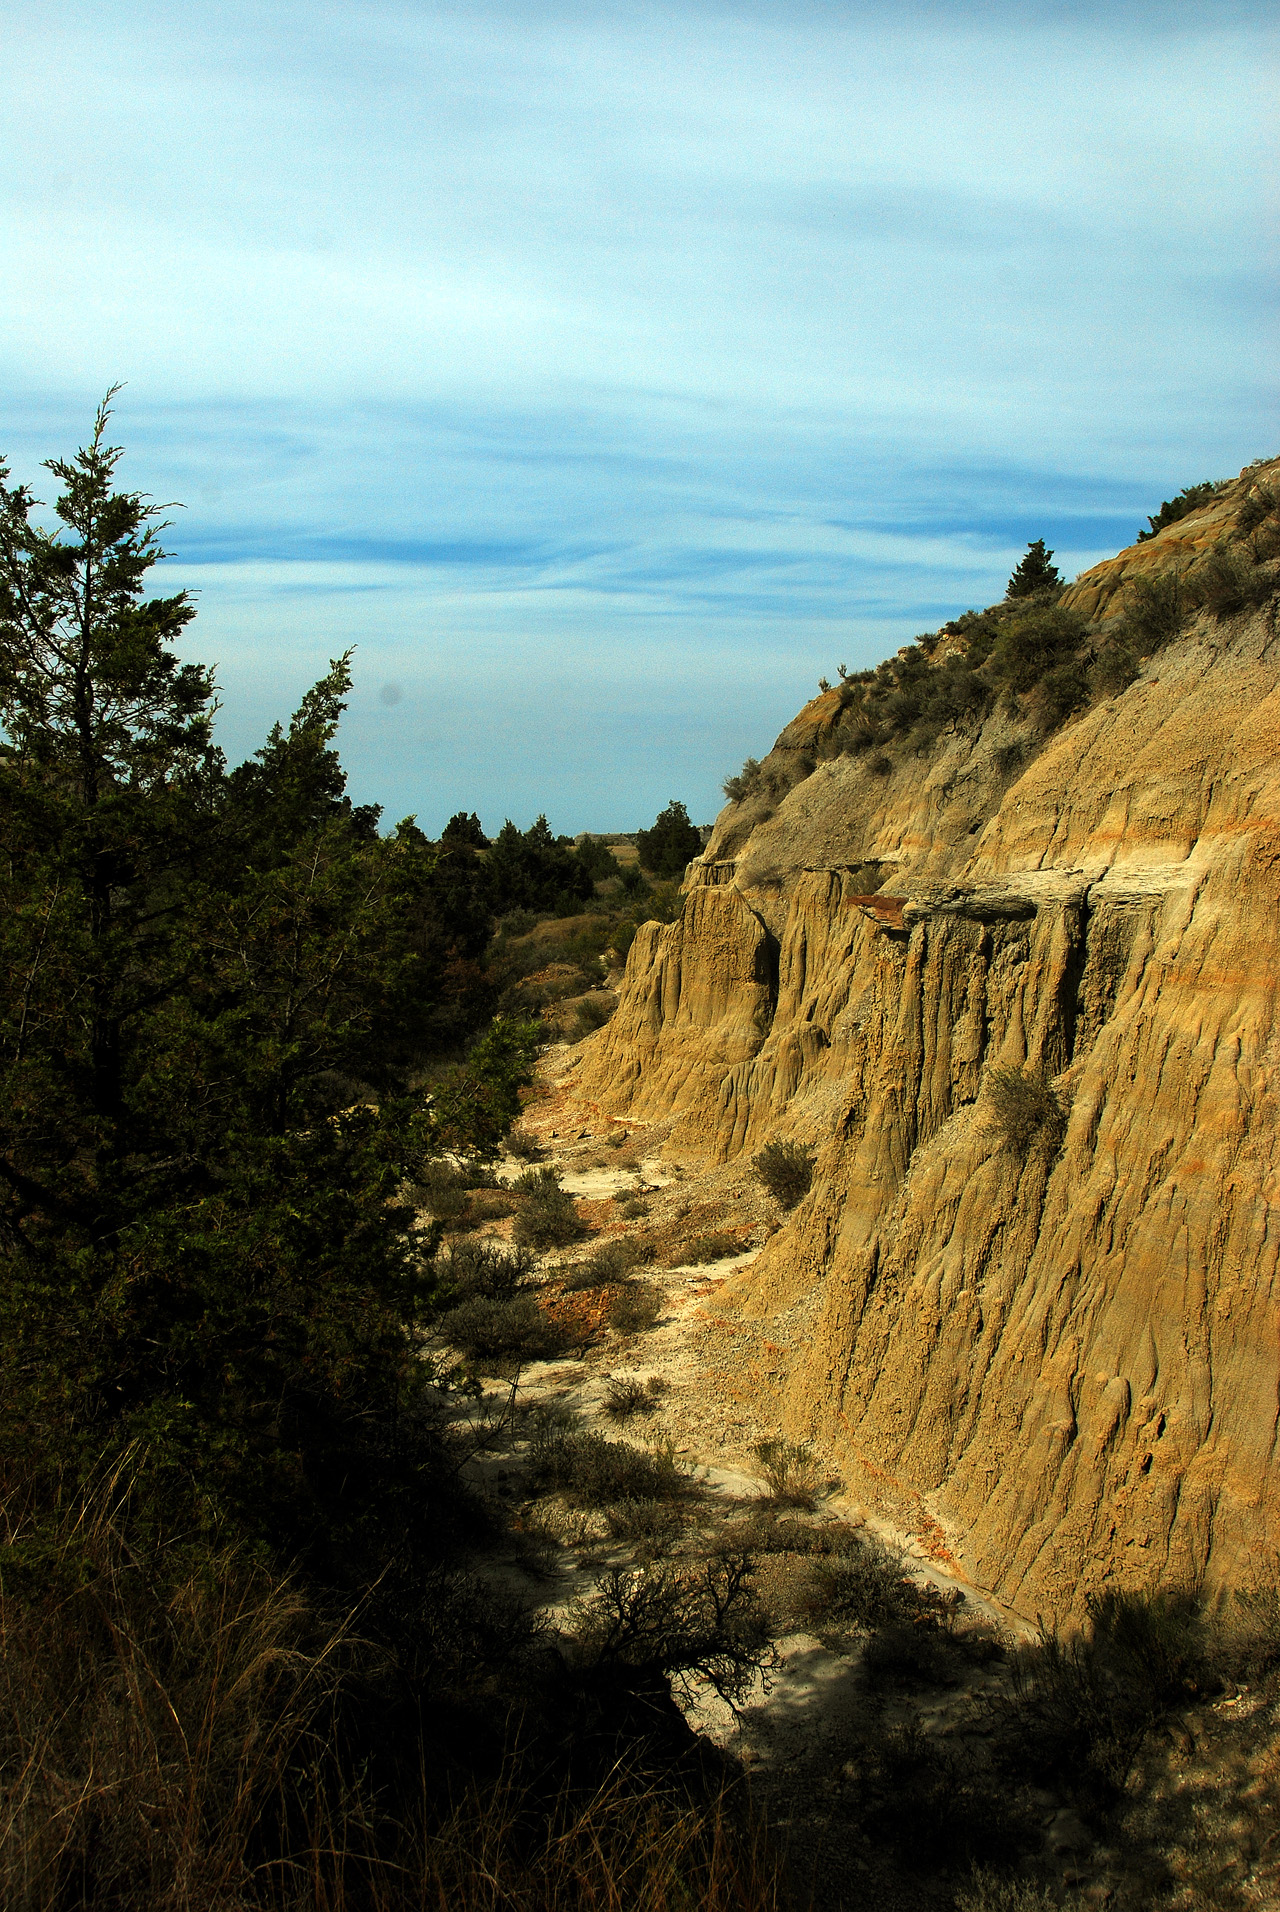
(670, 844)
(210, 987)
(532, 870)
(465, 829)
(1034, 573)
(1188, 500)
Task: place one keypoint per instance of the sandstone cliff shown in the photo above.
(1070, 1351)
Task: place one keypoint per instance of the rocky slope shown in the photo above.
(1067, 1354)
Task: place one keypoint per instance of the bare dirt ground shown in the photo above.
(857, 1761)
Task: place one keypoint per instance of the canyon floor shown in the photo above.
(879, 1769)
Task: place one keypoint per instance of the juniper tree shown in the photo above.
(1034, 573)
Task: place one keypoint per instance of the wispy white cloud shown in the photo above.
(714, 341)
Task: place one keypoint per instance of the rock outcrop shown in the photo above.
(1064, 1340)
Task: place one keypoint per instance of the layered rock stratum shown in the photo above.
(1067, 1349)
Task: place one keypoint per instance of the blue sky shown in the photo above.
(607, 374)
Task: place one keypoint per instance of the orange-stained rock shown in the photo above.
(1074, 1356)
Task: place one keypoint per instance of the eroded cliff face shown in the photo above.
(1071, 1353)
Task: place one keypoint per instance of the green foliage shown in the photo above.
(1230, 580)
(533, 870)
(465, 829)
(1034, 573)
(597, 859)
(743, 783)
(673, 842)
(215, 992)
(1189, 499)
(548, 1216)
(713, 1246)
(1156, 610)
(786, 1170)
(1032, 643)
(864, 1587)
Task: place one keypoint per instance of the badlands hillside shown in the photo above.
(995, 932)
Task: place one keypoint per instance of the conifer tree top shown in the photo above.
(1034, 572)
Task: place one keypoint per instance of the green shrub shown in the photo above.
(1009, 758)
(635, 1307)
(1034, 575)
(593, 1013)
(1116, 663)
(864, 1587)
(786, 1170)
(1156, 610)
(1025, 1109)
(1032, 643)
(593, 1471)
(672, 843)
(516, 1329)
(880, 765)
(745, 784)
(548, 1216)
(525, 1145)
(1063, 691)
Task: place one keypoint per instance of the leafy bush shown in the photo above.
(624, 1399)
(1025, 1109)
(597, 859)
(613, 1262)
(593, 1471)
(791, 1471)
(786, 1170)
(593, 1013)
(490, 1329)
(548, 1216)
(681, 1623)
(635, 1307)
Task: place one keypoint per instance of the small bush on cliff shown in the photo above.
(1034, 573)
(1190, 498)
(791, 1472)
(1025, 1109)
(635, 1307)
(745, 783)
(786, 1170)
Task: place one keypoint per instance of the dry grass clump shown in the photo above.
(625, 1399)
(791, 1471)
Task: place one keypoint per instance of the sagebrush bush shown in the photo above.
(1025, 1109)
(1230, 579)
(786, 1170)
(626, 1398)
(613, 1262)
(791, 1471)
(502, 1330)
(525, 1145)
(635, 1307)
(745, 783)
(593, 1471)
(863, 1587)
(547, 1216)
(473, 1266)
(713, 1246)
